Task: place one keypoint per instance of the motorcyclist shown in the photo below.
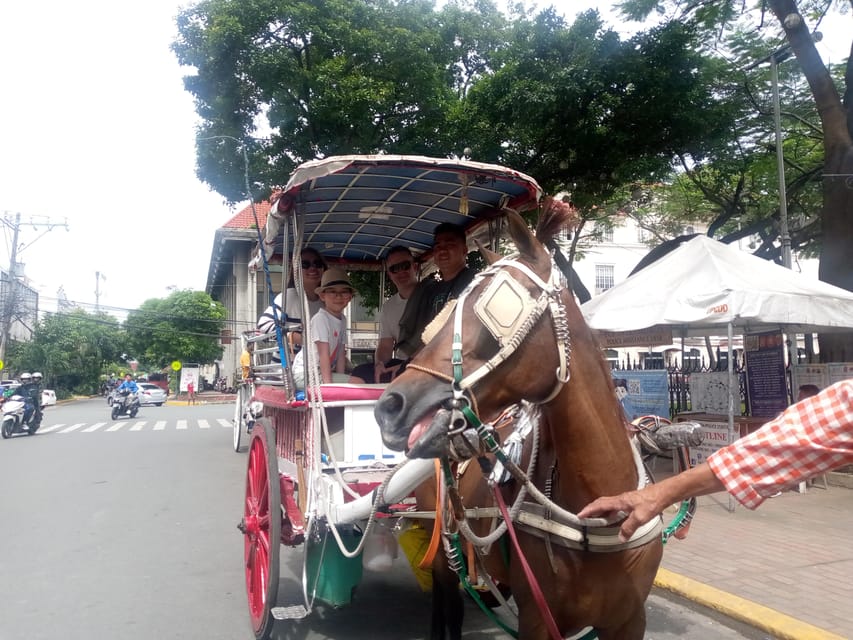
(129, 384)
(30, 390)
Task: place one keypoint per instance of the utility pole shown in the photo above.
(11, 290)
(98, 277)
(10, 300)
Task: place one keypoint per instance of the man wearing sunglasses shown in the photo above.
(313, 266)
(400, 267)
(450, 253)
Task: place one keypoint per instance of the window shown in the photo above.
(603, 277)
(605, 231)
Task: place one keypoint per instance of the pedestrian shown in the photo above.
(807, 391)
(809, 438)
(190, 391)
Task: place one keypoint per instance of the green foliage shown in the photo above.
(70, 350)
(186, 326)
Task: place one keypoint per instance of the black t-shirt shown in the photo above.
(428, 298)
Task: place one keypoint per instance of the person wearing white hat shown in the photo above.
(328, 331)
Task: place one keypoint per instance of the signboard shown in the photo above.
(816, 374)
(839, 371)
(765, 374)
(716, 435)
(643, 393)
(709, 392)
(189, 373)
(639, 338)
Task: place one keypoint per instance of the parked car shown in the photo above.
(150, 393)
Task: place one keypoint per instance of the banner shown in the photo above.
(765, 374)
(643, 393)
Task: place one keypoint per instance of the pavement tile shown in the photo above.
(793, 554)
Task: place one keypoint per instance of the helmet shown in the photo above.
(26, 377)
(37, 376)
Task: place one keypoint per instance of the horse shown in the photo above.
(516, 335)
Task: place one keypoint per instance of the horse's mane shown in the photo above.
(555, 216)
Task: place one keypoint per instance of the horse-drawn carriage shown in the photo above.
(326, 463)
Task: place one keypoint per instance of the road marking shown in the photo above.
(225, 423)
(159, 425)
(182, 424)
(116, 426)
(73, 427)
(53, 427)
(203, 424)
(94, 427)
(138, 426)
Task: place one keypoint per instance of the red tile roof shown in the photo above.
(245, 220)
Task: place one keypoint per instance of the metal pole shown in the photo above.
(11, 291)
(780, 165)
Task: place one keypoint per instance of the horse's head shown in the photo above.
(505, 339)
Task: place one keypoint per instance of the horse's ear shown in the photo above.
(488, 255)
(524, 239)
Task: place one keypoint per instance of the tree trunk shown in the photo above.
(837, 214)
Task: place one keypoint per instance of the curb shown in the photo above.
(777, 624)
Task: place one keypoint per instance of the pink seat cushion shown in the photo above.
(346, 392)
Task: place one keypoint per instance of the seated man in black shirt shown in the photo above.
(449, 253)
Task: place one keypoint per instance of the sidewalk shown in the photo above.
(786, 568)
(204, 397)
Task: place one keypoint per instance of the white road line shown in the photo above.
(73, 427)
(138, 426)
(225, 423)
(116, 426)
(182, 424)
(52, 427)
(203, 424)
(94, 427)
(159, 425)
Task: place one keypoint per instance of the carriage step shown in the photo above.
(295, 612)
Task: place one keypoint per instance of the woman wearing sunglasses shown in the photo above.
(313, 266)
(400, 267)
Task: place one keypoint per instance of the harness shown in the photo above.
(509, 312)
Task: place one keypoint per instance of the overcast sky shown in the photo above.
(97, 131)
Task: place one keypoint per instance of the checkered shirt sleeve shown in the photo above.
(808, 438)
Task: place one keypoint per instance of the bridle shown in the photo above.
(509, 312)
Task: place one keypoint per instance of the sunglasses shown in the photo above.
(400, 266)
(316, 264)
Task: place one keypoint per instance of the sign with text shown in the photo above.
(639, 338)
(643, 393)
(816, 374)
(765, 374)
(839, 371)
(716, 436)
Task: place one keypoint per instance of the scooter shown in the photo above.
(13, 417)
(125, 402)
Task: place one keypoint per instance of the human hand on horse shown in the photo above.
(638, 507)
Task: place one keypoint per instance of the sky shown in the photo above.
(97, 139)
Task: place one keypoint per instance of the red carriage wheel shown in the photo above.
(261, 527)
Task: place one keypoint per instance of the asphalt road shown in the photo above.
(130, 533)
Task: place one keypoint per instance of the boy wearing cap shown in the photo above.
(328, 331)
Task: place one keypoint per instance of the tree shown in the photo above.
(836, 117)
(70, 350)
(186, 326)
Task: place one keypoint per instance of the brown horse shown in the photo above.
(516, 335)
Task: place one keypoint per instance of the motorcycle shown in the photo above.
(125, 402)
(14, 410)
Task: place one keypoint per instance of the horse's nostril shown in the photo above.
(392, 404)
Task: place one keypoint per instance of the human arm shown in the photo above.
(384, 352)
(323, 357)
(642, 505)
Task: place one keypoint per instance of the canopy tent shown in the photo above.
(704, 285)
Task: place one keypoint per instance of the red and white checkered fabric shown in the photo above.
(808, 438)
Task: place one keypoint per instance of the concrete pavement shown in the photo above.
(786, 568)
